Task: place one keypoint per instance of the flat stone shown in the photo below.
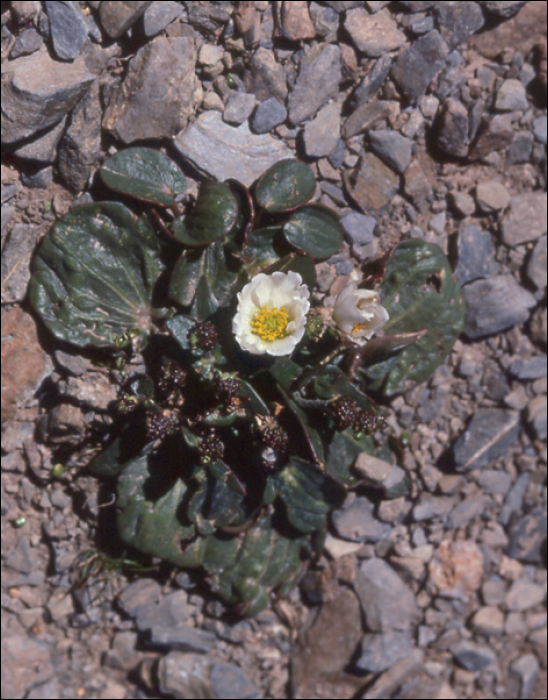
(523, 595)
(532, 368)
(230, 682)
(267, 77)
(494, 134)
(457, 21)
(376, 5)
(476, 252)
(160, 15)
(38, 179)
(344, 5)
(68, 26)
(294, 22)
(356, 522)
(492, 196)
(472, 507)
(495, 304)
(392, 148)
(239, 107)
(387, 602)
(417, 5)
(373, 35)
(359, 229)
(417, 66)
(324, 19)
(528, 537)
(379, 652)
(473, 656)
(453, 129)
(487, 437)
(80, 148)
(521, 148)
(536, 416)
(44, 148)
(504, 8)
(184, 675)
(536, 267)
(526, 220)
(429, 507)
(210, 55)
(415, 184)
(321, 135)
(268, 115)
(511, 96)
(38, 92)
(527, 667)
(494, 481)
(117, 17)
(223, 151)
(540, 129)
(317, 82)
(489, 621)
(365, 117)
(16, 259)
(372, 185)
(463, 203)
(26, 43)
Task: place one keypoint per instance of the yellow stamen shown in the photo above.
(358, 328)
(270, 324)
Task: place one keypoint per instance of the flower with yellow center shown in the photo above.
(358, 313)
(271, 316)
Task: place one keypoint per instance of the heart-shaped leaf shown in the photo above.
(144, 174)
(286, 185)
(94, 274)
(419, 293)
(316, 230)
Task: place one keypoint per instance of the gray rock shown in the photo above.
(187, 639)
(429, 507)
(223, 151)
(527, 667)
(492, 196)
(511, 96)
(463, 203)
(372, 185)
(365, 117)
(493, 134)
(185, 675)
(532, 368)
(465, 511)
(373, 35)
(8, 213)
(487, 437)
(324, 19)
(388, 603)
(472, 656)
(453, 129)
(239, 107)
(536, 266)
(526, 220)
(268, 115)
(418, 5)
(80, 148)
(22, 557)
(160, 15)
(513, 503)
(209, 17)
(73, 364)
(494, 481)
(267, 77)
(146, 105)
(359, 228)
(540, 129)
(521, 148)
(38, 179)
(117, 17)
(391, 147)
(356, 522)
(536, 416)
(317, 82)
(68, 27)
(343, 6)
(416, 184)
(44, 148)
(16, 257)
(418, 65)
(230, 682)
(371, 83)
(26, 43)
(376, 5)
(381, 651)
(504, 8)
(523, 595)
(38, 92)
(457, 21)
(528, 536)
(495, 304)
(418, 24)
(321, 135)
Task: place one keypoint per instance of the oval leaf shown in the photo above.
(286, 185)
(215, 215)
(316, 230)
(94, 274)
(144, 174)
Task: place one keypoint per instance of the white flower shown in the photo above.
(271, 315)
(358, 313)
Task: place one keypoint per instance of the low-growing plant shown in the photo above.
(243, 400)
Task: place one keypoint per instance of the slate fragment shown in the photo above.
(26, 43)
(416, 185)
(117, 17)
(487, 437)
(373, 35)
(268, 115)
(476, 255)
(537, 265)
(317, 82)
(160, 15)
(68, 27)
(381, 651)
(493, 134)
(458, 20)
(321, 134)
(504, 8)
(155, 99)
(44, 148)
(391, 147)
(372, 184)
(417, 66)
(239, 107)
(452, 129)
(15, 261)
(267, 77)
(293, 21)
(38, 92)
(495, 304)
(526, 220)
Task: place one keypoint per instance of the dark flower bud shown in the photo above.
(160, 424)
(204, 336)
(211, 448)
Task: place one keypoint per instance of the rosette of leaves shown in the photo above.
(227, 463)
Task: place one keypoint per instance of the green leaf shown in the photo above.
(341, 455)
(316, 230)
(215, 215)
(179, 326)
(151, 524)
(205, 303)
(296, 262)
(284, 371)
(419, 293)
(260, 251)
(255, 402)
(185, 277)
(94, 274)
(145, 174)
(308, 494)
(311, 435)
(286, 185)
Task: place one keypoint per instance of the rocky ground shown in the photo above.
(424, 119)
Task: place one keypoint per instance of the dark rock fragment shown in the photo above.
(68, 27)
(487, 437)
(317, 82)
(268, 115)
(117, 17)
(418, 65)
(453, 128)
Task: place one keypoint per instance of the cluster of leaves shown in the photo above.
(227, 462)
